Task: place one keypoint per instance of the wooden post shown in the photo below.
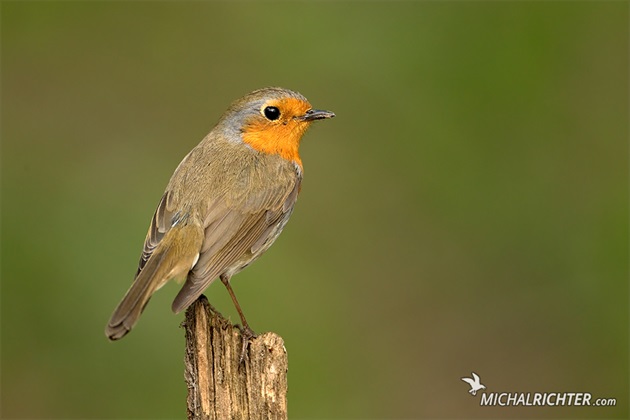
(219, 385)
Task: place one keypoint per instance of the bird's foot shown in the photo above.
(247, 334)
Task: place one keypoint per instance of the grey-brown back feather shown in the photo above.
(247, 194)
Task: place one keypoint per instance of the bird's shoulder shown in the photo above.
(229, 173)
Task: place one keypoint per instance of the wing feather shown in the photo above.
(160, 224)
(237, 236)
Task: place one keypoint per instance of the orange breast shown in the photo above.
(283, 140)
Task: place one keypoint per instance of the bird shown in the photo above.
(474, 383)
(225, 204)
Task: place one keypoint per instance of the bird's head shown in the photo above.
(272, 120)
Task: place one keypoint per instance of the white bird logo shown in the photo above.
(474, 383)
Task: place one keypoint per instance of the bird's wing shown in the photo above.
(468, 381)
(235, 228)
(475, 377)
(160, 224)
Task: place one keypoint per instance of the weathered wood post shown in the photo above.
(219, 385)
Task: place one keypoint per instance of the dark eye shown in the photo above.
(272, 113)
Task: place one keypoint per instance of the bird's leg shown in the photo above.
(246, 332)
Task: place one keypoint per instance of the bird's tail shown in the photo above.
(130, 308)
(173, 257)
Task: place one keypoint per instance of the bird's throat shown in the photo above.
(283, 140)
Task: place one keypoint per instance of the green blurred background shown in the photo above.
(467, 210)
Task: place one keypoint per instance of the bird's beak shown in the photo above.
(316, 114)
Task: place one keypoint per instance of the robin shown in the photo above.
(225, 205)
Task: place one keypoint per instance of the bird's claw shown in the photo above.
(247, 334)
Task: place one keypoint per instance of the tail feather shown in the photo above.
(173, 257)
(128, 311)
